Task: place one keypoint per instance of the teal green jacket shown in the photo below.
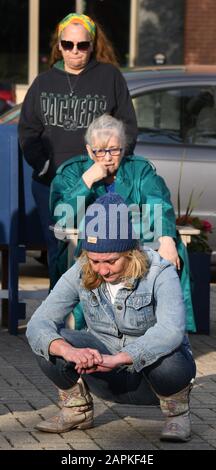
(138, 183)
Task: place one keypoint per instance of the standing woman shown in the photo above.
(63, 101)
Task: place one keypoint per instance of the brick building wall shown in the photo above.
(200, 32)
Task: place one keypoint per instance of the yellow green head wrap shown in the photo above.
(84, 20)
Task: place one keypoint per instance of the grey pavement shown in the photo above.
(27, 397)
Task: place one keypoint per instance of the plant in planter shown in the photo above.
(199, 243)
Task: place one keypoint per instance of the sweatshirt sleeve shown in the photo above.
(125, 111)
(31, 128)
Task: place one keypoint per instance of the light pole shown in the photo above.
(133, 32)
(79, 6)
(33, 40)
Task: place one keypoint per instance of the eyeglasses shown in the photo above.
(69, 45)
(114, 152)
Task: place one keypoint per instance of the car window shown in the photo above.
(185, 115)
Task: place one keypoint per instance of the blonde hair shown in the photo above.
(136, 269)
(103, 49)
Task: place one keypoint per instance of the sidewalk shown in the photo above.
(27, 397)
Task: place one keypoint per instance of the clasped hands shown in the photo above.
(88, 360)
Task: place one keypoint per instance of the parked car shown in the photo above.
(7, 96)
(176, 114)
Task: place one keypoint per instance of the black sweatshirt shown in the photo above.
(59, 107)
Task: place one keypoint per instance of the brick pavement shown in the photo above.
(27, 396)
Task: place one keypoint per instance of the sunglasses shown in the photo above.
(69, 45)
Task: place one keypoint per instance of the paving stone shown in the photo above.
(40, 403)
(4, 444)
(204, 400)
(75, 435)
(20, 439)
(186, 446)
(86, 445)
(32, 446)
(28, 420)
(3, 409)
(21, 406)
(46, 438)
(125, 444)
(107, 429)
(209, 433)
(8, 422)
(211, 442)
(206, 413)
(62, 447)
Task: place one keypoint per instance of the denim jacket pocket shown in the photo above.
(141, 311)
(89, 301)
(92, 307)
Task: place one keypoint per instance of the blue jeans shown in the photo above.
(167, 376)
(41, 194)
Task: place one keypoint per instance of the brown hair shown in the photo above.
(103, 49)
(137, 268)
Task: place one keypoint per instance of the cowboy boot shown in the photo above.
(176, 410)
(76, 410)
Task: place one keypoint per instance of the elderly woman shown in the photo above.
(83, 83)
(107, 169)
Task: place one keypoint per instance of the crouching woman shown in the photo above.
(134, 349)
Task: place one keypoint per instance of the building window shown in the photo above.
(114, 17)
(14, 40)
(50, 15)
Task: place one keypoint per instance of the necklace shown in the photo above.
(69, 82)
(69, 123)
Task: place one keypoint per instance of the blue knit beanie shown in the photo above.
(108, 226)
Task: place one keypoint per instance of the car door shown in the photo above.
(177, 132)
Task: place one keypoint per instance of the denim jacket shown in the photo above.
(147, 320)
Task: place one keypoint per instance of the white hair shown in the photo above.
(103, 127)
